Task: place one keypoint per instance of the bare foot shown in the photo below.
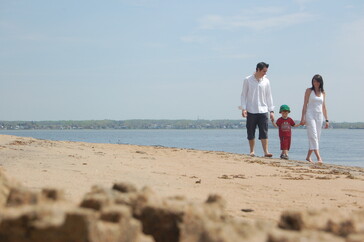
(252, 154)
(320, 162)
(309, 160)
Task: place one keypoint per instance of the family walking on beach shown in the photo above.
(257, 105)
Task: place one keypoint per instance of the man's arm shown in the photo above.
(269, 98)
(270, 101)
(243, 97)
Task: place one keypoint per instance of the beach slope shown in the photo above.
(254, 188)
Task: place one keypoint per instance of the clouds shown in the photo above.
(232, 36)
(260, 19)
(194, 39)
(351, 39)
(141, 3)
(302, 3)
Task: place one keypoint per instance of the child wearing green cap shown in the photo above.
(284, 125)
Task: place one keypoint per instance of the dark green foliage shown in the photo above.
(144, 124)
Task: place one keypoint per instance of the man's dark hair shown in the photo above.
(261, 66)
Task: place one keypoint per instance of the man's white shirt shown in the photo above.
(256, 96)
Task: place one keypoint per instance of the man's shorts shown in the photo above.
(254, 119)
(285, 142)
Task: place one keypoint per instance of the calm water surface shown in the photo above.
(337, 146)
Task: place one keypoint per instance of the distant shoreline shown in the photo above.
(144, 124)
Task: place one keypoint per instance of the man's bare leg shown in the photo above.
(265, 148)
(252, 146)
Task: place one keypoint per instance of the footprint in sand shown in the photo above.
(240, 176)
(352, 190)
(247, 210)
(224, 177)
(328, 177)
(350, 176)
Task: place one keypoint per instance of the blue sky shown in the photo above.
(150, 59)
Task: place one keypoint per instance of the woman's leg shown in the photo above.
(317, 153)
(312, 136)
(308, 157)
(319, 121)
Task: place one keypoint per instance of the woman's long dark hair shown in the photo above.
(318, 78)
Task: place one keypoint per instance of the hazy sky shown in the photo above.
(150, 59)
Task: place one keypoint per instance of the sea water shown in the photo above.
(337, 146)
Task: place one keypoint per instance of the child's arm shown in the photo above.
(297, 125)
(274, 124)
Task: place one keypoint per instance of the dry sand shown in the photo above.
(254, 188)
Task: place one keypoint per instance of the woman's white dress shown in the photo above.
(314, 119)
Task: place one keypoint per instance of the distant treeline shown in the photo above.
(143, 124)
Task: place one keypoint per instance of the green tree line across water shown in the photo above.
(144, 124)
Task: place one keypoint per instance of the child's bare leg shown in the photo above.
(282, 153)
(308, 157)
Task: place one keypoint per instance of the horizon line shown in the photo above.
(148, 119)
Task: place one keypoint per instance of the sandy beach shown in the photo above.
(253, 187)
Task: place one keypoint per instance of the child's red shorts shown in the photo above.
(285, 142)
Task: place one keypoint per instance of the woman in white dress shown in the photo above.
(314, 108)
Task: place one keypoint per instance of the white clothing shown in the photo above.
(314, 119)
(256, 96)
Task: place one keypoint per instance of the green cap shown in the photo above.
(284, 107)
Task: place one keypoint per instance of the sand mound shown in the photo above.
(125, 213)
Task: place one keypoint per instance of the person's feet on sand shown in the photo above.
(309, 160)
(285, 157)
(252, 154)
(320, 162)
(268, 155)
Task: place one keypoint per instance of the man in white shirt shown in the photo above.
(256, 103)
